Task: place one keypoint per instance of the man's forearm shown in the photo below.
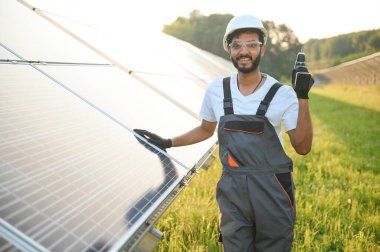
(205, 130)
(195, 135)
(303, 138)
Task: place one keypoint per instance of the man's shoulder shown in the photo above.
(216, 84)
(285, 91)
(284, 86)
(218, 81)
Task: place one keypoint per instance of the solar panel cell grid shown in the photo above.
(63, 181)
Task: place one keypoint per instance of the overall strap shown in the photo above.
(264, 105)
(227, 101)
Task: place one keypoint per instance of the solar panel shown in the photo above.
(105, 86)
(73, 177)
(178, 69)
(69, 172)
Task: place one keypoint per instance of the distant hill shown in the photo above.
(362, 71)
(328, 52)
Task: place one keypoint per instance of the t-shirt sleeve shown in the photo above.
(206, 112)
(291, 113)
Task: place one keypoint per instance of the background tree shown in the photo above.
(205, 32)
(282, 49)
(335, 50)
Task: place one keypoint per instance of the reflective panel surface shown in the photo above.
(73, 176)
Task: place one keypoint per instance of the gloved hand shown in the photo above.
(302, 82)
(154, 139)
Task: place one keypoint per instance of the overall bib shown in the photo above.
(256, 191)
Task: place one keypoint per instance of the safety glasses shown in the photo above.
(250, 45)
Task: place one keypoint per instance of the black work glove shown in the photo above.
(154, 139)
(302, 82)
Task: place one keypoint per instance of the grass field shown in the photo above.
(337, 184)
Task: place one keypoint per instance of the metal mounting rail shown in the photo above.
(19, 239)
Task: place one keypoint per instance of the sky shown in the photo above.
(308, 18)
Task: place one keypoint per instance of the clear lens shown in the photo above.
(251, 44)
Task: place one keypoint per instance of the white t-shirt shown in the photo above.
(283, 107)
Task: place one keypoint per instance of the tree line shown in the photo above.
(338, 49)
(206, 32)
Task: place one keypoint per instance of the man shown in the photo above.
(256, 192)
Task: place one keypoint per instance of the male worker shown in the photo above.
(256, 192)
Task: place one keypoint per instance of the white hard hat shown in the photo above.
(243, 22)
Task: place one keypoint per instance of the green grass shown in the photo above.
(337, 184)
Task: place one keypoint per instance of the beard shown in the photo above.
(255, 64)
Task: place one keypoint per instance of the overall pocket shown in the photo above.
(233, 160)
(244, 140)
(247, 127)
(285, 182)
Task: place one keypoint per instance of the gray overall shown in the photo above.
(256, 192)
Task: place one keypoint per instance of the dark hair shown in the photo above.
(238, 31)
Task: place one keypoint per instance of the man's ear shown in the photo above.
(229, 51)
(262, 51)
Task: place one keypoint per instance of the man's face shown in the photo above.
(245, 51)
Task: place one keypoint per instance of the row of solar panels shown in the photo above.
(73, 176)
